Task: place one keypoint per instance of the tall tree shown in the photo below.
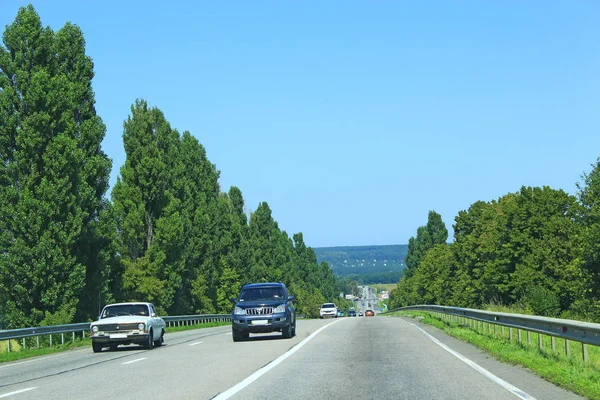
(589, 196)
(53, 175)
(147, 209)
(429, 235)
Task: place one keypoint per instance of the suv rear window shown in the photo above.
(328, 305)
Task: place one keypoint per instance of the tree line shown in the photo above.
(536, 250)
(168, 235)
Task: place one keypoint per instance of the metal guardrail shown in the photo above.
(183, 320)
(583, 332)
(84, 327)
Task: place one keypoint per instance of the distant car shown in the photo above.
(328, 310)
(127, 323)
(263, 308)
(369, 313)
(352, 313)
(340, 313)
(360, 314)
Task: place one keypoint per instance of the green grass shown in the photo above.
(19, 353)
(385, 286)
(555, 366)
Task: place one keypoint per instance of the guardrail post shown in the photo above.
(50, 340)
(584, 352)
(568, 347)
(73, 337)
(23, 342)
(37, 342)
(540, 341)
(489, 328)
(520, 335)
(553, 340)
(528, 337)
(62, 339)
(510, 335)
(8, 345)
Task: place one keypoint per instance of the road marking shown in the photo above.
(43, 358)
(133, 361)
(228, 333)
(16, 392)
(193, 344)
(233, 390)
(513, 389)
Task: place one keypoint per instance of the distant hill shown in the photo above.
(385, 260)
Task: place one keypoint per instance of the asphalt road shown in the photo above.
(342, 358)
(368, 300)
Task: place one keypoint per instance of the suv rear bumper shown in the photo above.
(260, 324)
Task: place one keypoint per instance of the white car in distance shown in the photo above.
(127, 323)
(328, 310)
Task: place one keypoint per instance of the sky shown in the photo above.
(354, 119)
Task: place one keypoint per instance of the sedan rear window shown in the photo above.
(328, 305)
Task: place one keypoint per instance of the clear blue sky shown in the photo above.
(354, 119)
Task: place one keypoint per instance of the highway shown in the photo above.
(339, 358)
(368, 300)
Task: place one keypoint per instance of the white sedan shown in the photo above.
(127, 323)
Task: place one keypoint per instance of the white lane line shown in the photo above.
(513, 389)
(233, 390)
(133, 361)
(44, 358)
(16, 392)
(193, 344)
(228, 333)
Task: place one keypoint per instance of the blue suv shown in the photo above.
(263, 308)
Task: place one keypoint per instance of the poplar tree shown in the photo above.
(53, 175)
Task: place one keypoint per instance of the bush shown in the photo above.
(541, 301)
(14, 346)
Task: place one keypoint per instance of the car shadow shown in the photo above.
(129, 347)
(261, 338)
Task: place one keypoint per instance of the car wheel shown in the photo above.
(239, 336)
(149, 342)
(97, 347)
(161, 340)
(286, 332)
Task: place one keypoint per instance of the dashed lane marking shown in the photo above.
(16, 392)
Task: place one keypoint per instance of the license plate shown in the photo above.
(260, 322)
(118, 336)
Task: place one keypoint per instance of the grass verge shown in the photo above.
(19, 353)
(568, 372)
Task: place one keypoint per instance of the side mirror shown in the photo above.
(153, 315)
(233, 301)
(291, 297)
